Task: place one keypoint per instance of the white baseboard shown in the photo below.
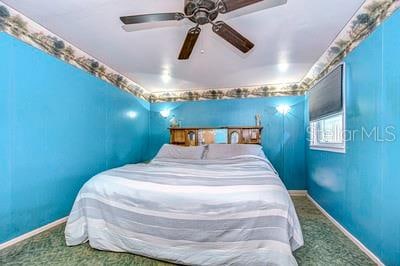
(298, 192)
(368, 252)
(32, 233)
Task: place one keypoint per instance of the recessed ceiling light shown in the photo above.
(283, 67)
(166, 77)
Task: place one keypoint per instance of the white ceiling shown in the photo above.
(288, 40)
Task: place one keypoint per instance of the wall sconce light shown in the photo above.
(131, 114)
(283, 109)
(165, 113)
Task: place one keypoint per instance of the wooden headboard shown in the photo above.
(194, 136)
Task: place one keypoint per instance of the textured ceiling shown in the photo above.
(289, 39)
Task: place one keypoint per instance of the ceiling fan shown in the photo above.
(202, 12)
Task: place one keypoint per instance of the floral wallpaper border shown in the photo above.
(23, 28)
(371, 14)
(228, 93)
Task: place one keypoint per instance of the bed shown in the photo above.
(221, 211)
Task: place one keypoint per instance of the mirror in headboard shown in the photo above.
(206, 136)
(192, 138)
(251, 136)
(221, 135)
(211, 135)
(234, 137)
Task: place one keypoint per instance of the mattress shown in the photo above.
(233, 211)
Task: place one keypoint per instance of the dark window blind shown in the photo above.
(326, 97)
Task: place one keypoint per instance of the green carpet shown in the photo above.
(324, 245)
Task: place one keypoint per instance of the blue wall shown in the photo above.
(360, 189)
(283, 138)
(58, 127)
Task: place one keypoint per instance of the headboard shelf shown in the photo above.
(194, 136)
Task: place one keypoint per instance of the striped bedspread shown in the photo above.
(218, 212)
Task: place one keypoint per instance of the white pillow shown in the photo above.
(223, 151)
(181, 152)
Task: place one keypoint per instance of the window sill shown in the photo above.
(341, 150)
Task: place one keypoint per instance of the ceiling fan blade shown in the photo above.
(231, 5)
(259, 6)
(152, 18)
(190, 41)
(150, 26)
(232, 36)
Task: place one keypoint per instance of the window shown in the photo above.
(327, 112)
(328, 133)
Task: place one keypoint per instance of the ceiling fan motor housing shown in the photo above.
(201, 11)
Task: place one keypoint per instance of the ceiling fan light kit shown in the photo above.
(202, 12)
